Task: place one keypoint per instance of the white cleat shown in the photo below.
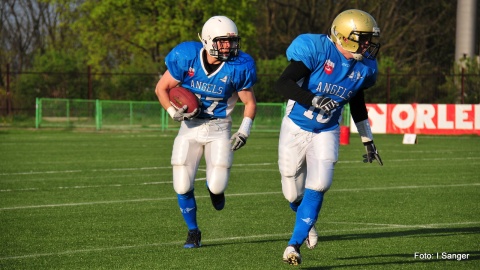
(292, 256)
(312, 238)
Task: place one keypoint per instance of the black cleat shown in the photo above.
(194, 239)
(218, 200)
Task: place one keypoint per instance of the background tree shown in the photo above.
(116, 31)
(414, 33)
(417, 37)
(116, 37)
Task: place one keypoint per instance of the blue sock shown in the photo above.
(188, 207)
(307, 214)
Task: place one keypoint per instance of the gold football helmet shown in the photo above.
(354, 30)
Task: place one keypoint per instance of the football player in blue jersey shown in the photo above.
(325, 72)
(219, 74)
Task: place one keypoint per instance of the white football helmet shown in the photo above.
(353, 30)
(218, 32)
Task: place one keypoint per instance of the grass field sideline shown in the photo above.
(104, 200)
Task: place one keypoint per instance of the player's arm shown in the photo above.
(357, 107)
(248, 98)
(166, 82)
(287, 86)
(359, 112)
(239, 138)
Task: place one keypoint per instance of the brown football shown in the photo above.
(180, 96)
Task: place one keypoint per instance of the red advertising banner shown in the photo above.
(444, 119)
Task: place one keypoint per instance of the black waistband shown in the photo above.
(207, 118)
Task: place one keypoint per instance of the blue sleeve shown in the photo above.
(304, 49)
(372, 74)
(248, 73)
(172, 65)
(179, 59)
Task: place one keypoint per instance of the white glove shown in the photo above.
(238, 140)
(325, 104)
(180, 114)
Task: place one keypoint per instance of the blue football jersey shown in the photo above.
(217, 91)
(332, 76)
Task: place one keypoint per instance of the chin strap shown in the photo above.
(357, 56)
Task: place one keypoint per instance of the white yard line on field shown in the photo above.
(422, 226)
(234, 165)
(117, 169)
(231, 195)
(239, 238)
(98, 186)
(404, 187)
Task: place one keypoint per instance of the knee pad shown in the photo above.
(217, 178)
(291, 191)
(183, 179)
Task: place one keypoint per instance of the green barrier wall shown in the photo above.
(108, 114)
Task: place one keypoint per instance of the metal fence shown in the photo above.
(107, 114)
(19, 97)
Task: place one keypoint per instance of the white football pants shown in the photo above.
(194, 137)
(306, 159)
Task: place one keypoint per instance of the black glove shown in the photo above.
(238, 140)
(325, 104)
(371, 154)
(181, 115)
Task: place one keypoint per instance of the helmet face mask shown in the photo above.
(366, 47)
(354, 30)
(220, 38)
(224, 48)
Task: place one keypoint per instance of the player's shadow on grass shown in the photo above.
(406, 259)
(429, 232)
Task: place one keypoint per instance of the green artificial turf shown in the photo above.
(104, 200)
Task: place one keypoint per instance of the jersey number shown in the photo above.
(212, 106)
(321, 116)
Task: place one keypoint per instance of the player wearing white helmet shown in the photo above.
(219, 74)
(217, 33)
(325, 73)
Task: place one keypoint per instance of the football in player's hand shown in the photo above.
(180, 96)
